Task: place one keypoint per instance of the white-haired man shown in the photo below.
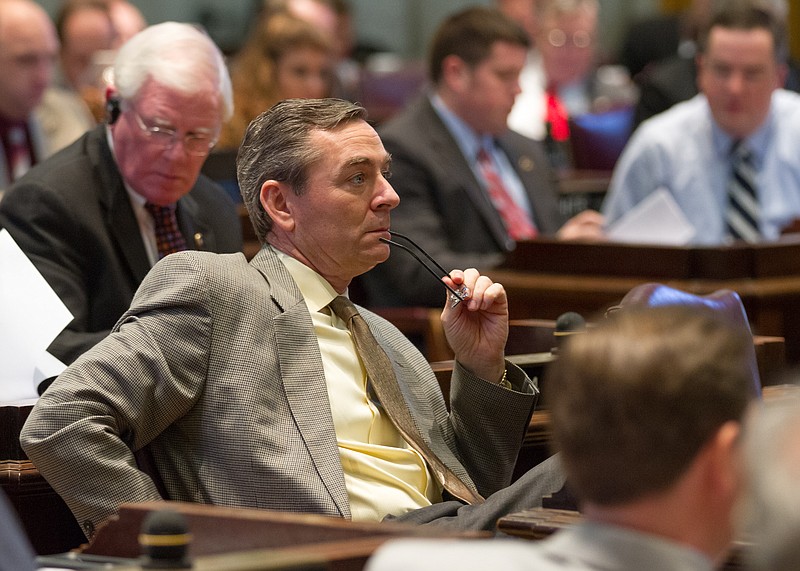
(97, 216)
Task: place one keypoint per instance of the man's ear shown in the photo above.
(455, 73)
(274, 201)
(724, 458)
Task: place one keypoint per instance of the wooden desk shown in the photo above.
(219, 530)
(545, 278)
(44, 515)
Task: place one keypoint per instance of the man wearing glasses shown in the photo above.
(97, 216)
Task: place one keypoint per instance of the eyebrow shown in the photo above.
(359, 161)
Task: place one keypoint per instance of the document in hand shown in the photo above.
(31, 315)
(656, 220)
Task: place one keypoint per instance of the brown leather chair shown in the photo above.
(725, 301)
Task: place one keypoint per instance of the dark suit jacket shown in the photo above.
(444, 207)
(72, 216)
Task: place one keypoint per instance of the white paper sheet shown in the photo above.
(656, 220)
(31, 315)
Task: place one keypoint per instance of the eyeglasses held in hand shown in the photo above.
(456, 296)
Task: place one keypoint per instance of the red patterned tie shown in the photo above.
(168, 236)
(518, 223)
(557, 116)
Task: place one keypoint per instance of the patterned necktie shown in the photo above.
(742, 213)
(517, 222)
(168, 236)
(384, 383)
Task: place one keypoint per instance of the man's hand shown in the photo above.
(586, 225)
(477, 328)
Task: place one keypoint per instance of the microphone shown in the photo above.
(567, 324)
(164, 541)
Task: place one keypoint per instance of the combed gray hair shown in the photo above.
(276, 147)
(175, 55)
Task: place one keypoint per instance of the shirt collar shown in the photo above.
(610, 546)
(467, 139)
(756, 142)
(316, 290)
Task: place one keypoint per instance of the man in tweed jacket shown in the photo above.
(237, 377)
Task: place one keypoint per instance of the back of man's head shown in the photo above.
(634, 400)
(749, 15)
(770, 509)
(470, 35)
(176, 55)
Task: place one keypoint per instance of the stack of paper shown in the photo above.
(655, 220)
(31, 315)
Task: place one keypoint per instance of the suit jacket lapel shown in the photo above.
(120, 218)
(303, 377)
(195, 230)
(456, 164)
(533, 179)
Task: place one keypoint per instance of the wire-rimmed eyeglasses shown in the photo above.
(196, 144)
(456, 296)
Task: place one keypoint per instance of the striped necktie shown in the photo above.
(517, 222)
(384, 383)
(168, 235)
(742, 214)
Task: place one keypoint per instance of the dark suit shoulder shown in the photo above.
(68, 172)
(412, 124)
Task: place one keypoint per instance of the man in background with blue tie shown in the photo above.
(470, 187)
(95, 217)
(729, 155)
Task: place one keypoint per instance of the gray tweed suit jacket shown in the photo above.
(216, 367)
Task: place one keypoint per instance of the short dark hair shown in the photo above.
(470, 35)
(635, 399)
(748, 15)
(276, 147)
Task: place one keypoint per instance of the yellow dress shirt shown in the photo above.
(382, 473)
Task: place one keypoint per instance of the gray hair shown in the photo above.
(276, 147)
(177, 56)
(770, 510)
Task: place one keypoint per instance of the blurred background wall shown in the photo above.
(400, 26)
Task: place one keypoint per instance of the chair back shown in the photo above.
(597, 139)
(724, 301)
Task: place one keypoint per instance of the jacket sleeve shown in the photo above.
(121, 394)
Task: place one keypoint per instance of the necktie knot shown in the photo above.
(168, 235)
(344, 308)
(741, 153)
